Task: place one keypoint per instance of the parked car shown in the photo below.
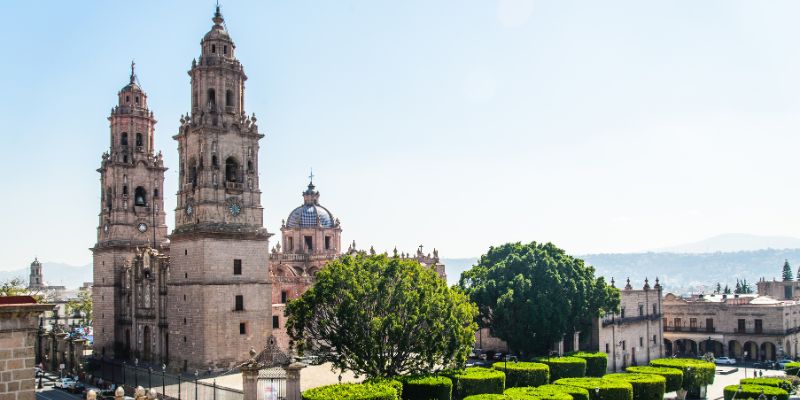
(78, 387)
(782, 363)
(65, 383)
(725, 361)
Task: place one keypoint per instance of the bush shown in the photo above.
(673, 376)
(564, 367)
(477, 380)
(753, 391)
(495, 396)
(792, 368)
(645, 386)
(781, 382)
(427, 388)
(574, 391)
(352, 391)
(609, 389)
(596, 363)
(394, 383)
(524, 373)
(535, 393)
(696, 373)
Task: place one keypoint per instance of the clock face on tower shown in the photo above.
(190, 208)
(234, 206)
(142, 227)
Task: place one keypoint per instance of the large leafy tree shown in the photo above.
(531, 295)
(383, 316)
(82, 304)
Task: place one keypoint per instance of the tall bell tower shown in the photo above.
(219, 248)
(131, 212)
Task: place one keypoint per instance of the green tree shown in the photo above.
(81, 305)
(719, 288)
(787, 271)
(383, 316)
(13, 287)
(727, 290)
(531, 295)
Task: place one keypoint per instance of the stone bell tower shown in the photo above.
(219, 248)
(131, 212)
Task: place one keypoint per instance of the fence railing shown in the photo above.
(168, 386)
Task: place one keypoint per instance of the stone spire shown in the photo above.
(628, 284)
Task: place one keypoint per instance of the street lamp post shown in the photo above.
(136, 372)
(195, 384)
(744, 362)
(163, 385)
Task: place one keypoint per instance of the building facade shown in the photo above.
(633, 336)
(19, 320)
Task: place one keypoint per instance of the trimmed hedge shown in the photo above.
(538, 394)
(696, 373)
(477, 380)
(753, 391)
(524, 373)
(596, 363)
(494, 396)
(609, 389)
(645, 386)
(394, 383)
(564, 367)
(673, 376)
(574, 391)
(777, 382)
(792, 368)
(352, 391)
(427, 388)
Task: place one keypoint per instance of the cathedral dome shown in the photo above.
(217, 31)
(311, 214)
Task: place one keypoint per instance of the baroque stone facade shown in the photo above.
(19, 319)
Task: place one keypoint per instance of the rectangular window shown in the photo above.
(309, 243)
(740, 328)
(641, 341)
(290, 243)
(692, 324)
(655, 309)
(607, 351)
(709, 324)
(677, 323)
(641, 310)
(623, 345)
(237, 267)
(275, 322)
(759, 326)
(622, 312)
(242, 328)
(327, 242)
(239, 303)
(284, 296)
(787, 292)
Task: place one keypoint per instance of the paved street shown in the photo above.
(49, 393)
(720, 381)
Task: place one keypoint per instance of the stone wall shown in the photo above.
(18, 324)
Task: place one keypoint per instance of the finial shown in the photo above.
(628, 284)
(612, 282)
(311, 177)
(218, 20)
(133, 71)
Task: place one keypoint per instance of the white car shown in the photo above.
(65, 383)
(725, 360)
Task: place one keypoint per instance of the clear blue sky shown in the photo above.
(601, 126)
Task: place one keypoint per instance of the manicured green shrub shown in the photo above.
(673, 376)
(352, 391)
(601, 388)
(753, 391)
(524, 373)
(395, 383)
(596, 363)
(499, 397)
(427, 388)
(778, 382)
(696, 373)
(477, 380)
(792, 368)
(564, 367)
(645, 386)
(535, 393)
(574, 391)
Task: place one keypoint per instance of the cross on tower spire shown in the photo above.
(133, 71)
(311, 176)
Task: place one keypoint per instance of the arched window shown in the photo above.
(136, 99)
(108, 198)
(155, 193)
(229, 98)
(124, 140)
(124, 190)
(140, 196)
(212, 97)
(249, 166)
(225, 49)
(231, 170)
(214, 162)
(139, 141)
(213, 48)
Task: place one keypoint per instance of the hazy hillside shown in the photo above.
(732, 242)
(56, 274)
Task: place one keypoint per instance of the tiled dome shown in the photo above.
(311, 214)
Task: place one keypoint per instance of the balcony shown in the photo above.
(628, 320)
(234, 186)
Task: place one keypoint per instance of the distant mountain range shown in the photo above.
(733, 242)
(55, 274)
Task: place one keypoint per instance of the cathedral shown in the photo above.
(203, 295)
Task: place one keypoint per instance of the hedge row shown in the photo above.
(754, 391)
(427, 388)
(673, 376)
(696, 373)
(782, 383)
(576, 392)
(477, 380)
(645, 386)
(494, 396)
(352, 391)
(601, 388)
(564, 367)
(596, 363)
(521, 374)
(792, 368)
(535, 393)
(394, 383)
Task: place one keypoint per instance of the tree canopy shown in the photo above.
(787, 271)
(383, 316)
(531, 295)
(82, 304)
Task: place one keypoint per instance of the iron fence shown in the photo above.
(272, 384)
